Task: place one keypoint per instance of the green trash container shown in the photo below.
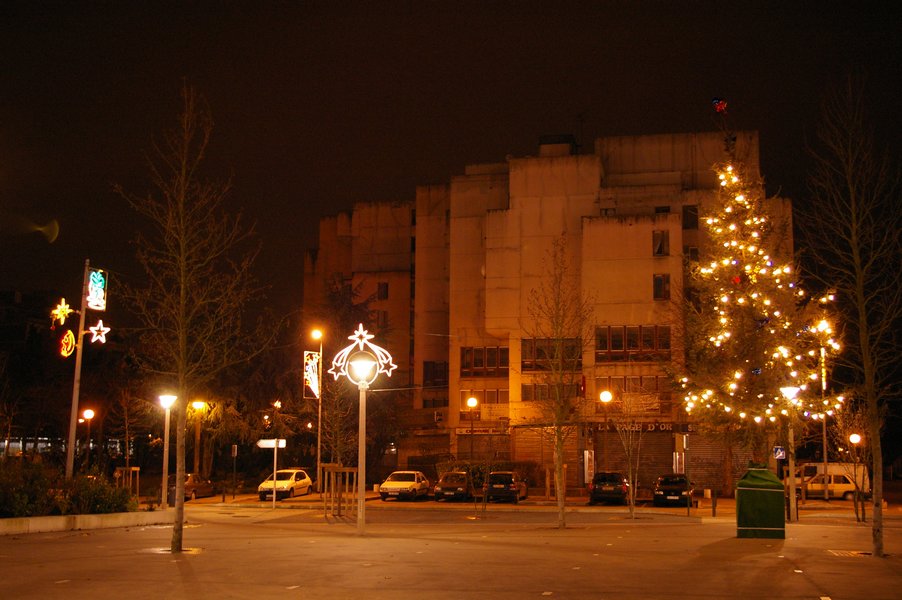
(760, 505)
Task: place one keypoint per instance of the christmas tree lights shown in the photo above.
(757, 334)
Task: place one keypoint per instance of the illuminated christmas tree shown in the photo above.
(750, 330)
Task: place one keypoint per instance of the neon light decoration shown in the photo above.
(311, 372)
(67, 344)
(96, 297)
(98, 332)
(361, 339)
(61, 312)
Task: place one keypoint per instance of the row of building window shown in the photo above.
(540, 354)
(494, 396)
(484, 361)
(616, 343)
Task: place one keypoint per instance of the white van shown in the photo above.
(840, 479)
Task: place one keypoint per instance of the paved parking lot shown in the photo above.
(430, 550)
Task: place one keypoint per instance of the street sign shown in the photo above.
(779, 453)
(270, 443)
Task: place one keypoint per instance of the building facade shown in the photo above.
(460, 265)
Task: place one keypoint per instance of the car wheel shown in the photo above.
(384, 497)
(262, 497)
(291, 493)
(307, 491)
(848, 496)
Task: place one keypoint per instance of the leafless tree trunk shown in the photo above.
(852, 229)
(626, 418)
(561, 321)
(198, 276)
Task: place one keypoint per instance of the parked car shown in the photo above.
(289, 483)
(609, 486)
(196, 486)
(672, 489)
(505, 485)
(454, 485)
(404, 484)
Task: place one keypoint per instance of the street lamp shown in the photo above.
(166, 401)
(317, 334)
(790, 392)
(854, 439)
(198, 406)
(361, 362)
(605, 397)
(88, 414)
(472, 403)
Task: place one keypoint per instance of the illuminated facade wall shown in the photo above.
(629, 212)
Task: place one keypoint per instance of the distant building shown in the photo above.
(451, 273)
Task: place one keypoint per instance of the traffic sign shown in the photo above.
(271, 443)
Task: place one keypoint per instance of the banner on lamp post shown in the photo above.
(312, 383)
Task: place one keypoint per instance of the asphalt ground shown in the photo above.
(245, 549)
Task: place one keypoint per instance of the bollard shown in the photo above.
(713, 503)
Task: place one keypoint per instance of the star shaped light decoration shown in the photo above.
(61, 312)
(98, 332)
(361, 341)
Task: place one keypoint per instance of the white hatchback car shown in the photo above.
(289, 483)
(404, 484)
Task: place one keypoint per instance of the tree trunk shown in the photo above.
(179, 519)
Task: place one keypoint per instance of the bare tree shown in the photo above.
(560, 330)
(852, 229)
(197, 263)
(626, 417)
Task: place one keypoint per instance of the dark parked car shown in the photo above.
(609, 486)
(505, 485)
(454, 485)
(672, 489)
(195, 487)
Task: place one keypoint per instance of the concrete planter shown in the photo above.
(22, 525)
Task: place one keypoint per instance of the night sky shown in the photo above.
(322, 104)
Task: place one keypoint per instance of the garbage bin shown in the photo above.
(759, 505)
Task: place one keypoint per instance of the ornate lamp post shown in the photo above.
(361, 362)
(166, 401)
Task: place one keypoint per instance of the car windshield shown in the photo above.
(284, 475)
(672, 480)
(501, 477)
(454, 478)
(608, 478)
(402, 477)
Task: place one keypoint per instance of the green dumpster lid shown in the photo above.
(759, 479)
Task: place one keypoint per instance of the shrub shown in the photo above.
(92, 494)
(28, 489)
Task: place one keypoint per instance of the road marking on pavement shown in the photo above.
(63, 581)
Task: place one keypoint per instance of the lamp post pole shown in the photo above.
(88, 414)
(166, 401)
(362, 386)
(790, 394)
(318, 335)
(824, 424)
(605, 397)
(472, 403)
(854, 439)
(198, 407)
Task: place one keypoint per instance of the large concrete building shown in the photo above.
(454, 275)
